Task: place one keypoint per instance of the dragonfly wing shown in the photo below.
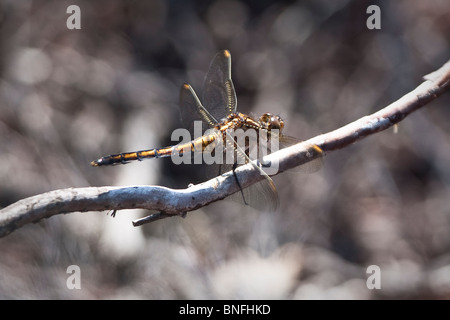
(309, 167)
(219, 96)
(270, 142)
(218, 99)
(192, 109)
(261, 196)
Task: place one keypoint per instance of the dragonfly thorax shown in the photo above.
(238, 120)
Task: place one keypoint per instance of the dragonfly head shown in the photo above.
(270, 121)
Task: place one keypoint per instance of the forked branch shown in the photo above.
(170, 202)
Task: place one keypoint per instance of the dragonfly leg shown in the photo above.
(238, 183)
(113, 213)
(156, 216)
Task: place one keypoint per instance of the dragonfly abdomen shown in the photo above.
(196, 145)
(123, 158)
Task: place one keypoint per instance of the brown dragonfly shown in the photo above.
(217, 110)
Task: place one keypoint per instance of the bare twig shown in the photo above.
(170, 202)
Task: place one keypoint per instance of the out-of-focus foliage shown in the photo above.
(68, 97)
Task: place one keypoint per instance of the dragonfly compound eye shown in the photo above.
(276, 123)
(265, 119)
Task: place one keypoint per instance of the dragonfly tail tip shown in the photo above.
(95, 163)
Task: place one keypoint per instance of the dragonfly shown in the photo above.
(218, 110)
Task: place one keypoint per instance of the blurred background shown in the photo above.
(68, 97)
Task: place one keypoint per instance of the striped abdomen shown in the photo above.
(197, 145)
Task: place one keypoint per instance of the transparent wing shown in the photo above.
(219, 96)
(192, 110)
(309, 167)
(219, 100)
(262, 195)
